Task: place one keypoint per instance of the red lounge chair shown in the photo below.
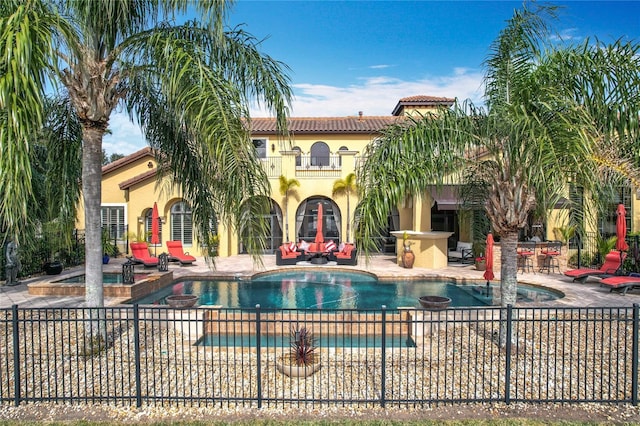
(612, 263)
(285, 256)
(622, 284)
(176, 253)
(140, 254)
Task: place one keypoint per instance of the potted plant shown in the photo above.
(301, 361)
(408, 256)
(108, 247)
(478, 249)
(53, 239)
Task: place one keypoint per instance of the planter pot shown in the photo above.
(435, 303)
(481, 266)
(53, 268)
(408, 258)
(296, 371)
(105, 259)
(181, 300)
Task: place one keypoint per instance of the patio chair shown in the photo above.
(287, 254)
(463, 253)
(140, 254)
(612, 262)
(177, 254)
(345, 256)
(622, 284)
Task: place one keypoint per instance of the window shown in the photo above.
(148, 224)
(609, 216)
(261, 147)
(298, 155)
(113, 220)
(181, 223)
(320, 154)
(342, 148)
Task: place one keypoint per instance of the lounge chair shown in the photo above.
(177, 254)
(622, 284)
(612, 262)
(140, 254)
(286, 256)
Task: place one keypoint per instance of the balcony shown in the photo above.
(329, 166)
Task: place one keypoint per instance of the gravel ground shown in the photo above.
(457, 360)
(592, 413)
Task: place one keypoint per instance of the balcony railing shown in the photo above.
(319, 166)
(272, 166)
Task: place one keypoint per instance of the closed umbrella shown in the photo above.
(155, 226)
(621, 229)
(488, 273)
(319, 236)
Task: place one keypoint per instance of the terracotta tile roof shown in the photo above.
(421, 100)
(352, 124)
(137, 179)
(126, 160)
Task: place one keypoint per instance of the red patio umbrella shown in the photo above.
(621, 229)
(155, 226)
(488, 273)
(319, 236)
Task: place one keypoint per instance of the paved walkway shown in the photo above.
(576, 295)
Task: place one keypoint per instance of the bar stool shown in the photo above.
(551, 252)
(526, 251)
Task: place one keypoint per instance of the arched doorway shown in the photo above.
(307, 219)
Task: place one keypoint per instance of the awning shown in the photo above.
(446, 197)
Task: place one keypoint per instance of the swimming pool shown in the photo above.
(334, 290)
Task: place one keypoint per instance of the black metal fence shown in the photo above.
(205, 356)
(586, 252)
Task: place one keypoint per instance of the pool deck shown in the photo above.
(589, 294)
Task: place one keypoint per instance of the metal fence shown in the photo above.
(229, 357)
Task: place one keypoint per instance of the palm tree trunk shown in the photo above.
(348, 219)
(286, 216)
(508, 278)
(92, 192)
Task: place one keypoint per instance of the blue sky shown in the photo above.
(363, 55)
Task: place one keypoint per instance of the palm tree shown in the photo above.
(286, 186)
(188, 85)
(346, 186)
(549, 120)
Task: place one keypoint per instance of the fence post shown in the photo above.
(258, 357)
(507, 365)
(136, 349)
(634, 361)
(383, 375)
(16, 356)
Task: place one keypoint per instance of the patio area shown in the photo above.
(589, 294)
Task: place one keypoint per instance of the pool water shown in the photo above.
(107, 278)
(329, 341)
(334, 290)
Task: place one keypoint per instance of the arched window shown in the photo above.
(148, 225)
(342, 148)
(181, 223)
(320, 154)
(298, 155)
